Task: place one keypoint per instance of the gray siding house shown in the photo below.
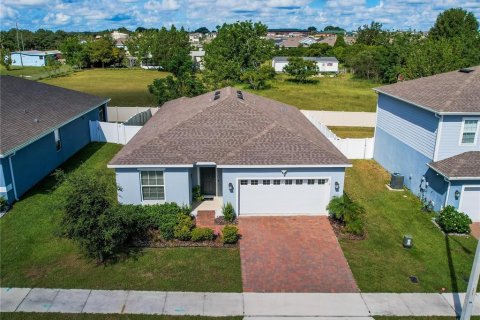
(262, 156)
(428, 130)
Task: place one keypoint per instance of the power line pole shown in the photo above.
(472, 286)
(18, 46)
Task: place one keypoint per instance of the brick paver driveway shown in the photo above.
(292, 254)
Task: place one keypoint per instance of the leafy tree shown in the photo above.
(301, 69)
(100, 51)
(340, 41)
(238, 47)
(312, 29)
(453, 23)
(333, 28)
(372, 35)
(52, 65)
(74, 52)
(316, 50)
(89, 216)
(257, 79)
(5, 58)
(169, 88)
(202, 30)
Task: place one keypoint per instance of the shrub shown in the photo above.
(228, 212)
(348, 212)
(3, 204)
(202, 234)
(182, 230)
(452, 221)
(165, 217)
(135, 220)
(197, 194)
(230, 234)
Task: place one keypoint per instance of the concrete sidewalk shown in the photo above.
(250, 305)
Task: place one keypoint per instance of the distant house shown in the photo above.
(325, 64)
(330, 40)
(262, 156)
(428, 130)
(33, 58)
(294, 42)
(41, 127)
(197, 57)
(291, 32)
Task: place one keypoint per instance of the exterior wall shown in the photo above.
(178, 185)
(28, 61)
(278, 66)
(324, 67)
(457, 185)
(437, 189)
(6, 187)
(449, 144)
(232, 176)
(35, 161)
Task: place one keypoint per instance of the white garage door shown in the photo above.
(470, 202)
(283, 196)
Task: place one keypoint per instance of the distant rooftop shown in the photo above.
(318, 59)
(37, 52)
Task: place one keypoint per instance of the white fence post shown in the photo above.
(112, 132)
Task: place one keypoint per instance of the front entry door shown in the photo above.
(207, 181)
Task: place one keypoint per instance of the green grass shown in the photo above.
(32, 73)
(380, 263)
(66, 316)
(33, 255)
(126, 87)
(353, 132)
(342, 93)
(422, 318)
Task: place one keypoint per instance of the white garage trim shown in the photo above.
(460, 205)
(307, 211)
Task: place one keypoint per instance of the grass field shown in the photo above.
(84, 316)
(126, 87)
(32, 73)
(380, 263)
(342, 93)
(33, 254)
(353, 132)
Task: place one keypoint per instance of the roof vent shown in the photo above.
(466, 70)
(36, 120)
(239, 94)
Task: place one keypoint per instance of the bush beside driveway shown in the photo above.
(380, 263)
(34, 255)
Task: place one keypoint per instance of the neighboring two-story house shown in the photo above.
(428, 130)
(41, 126)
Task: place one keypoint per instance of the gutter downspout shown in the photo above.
(448, 192)
(13, 177)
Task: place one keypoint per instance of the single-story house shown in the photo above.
(41, 127)
(325, 64)
(262, 156)
(33, 58)
(428, 131)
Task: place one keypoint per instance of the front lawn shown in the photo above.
(33, 255)
(342, 93)
(126, 87)
(380, 263)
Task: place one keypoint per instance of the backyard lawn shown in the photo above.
(380, 263)
(353, 132)
(84, 316)
(342, 93)
(126, 87)
(33, 255)
(32, 73)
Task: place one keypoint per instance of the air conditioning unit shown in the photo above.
(396, 181)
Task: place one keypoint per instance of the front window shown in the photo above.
(470, 128)
(153, 186)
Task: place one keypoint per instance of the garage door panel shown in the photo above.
(470, 202)
(284, 199)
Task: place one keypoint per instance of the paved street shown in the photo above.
(250, 305)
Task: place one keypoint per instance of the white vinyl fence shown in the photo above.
(112, 132)
(122, 114)
(351, 148)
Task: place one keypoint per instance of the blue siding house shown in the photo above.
(33, 58)
(41, 127)
(262, 156)
(428, 130)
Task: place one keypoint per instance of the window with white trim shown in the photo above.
(266, 182)
(58, 142)
(311, 181)
(254, 182)
(469, 133)
(299, 181)
(288, 181)
(153, 185)
(276, 182)
(322, 181)
(243, 182)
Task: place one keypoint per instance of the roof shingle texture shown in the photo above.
(448, 92)
(229, 131)
(464, 165)
(29, 109)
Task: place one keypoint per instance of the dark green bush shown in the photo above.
(182, 230)
(348, 212)
(228, 212)
(230, 234)
(452, 221)
(202, 234)
(3, 204)
(197, 194)
(165, 217)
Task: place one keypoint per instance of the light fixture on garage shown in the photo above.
(457, 194)
(284, 172)
(230, 187)
(337, 186)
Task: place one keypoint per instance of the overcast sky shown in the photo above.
(85, 15)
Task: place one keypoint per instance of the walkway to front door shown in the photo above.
(292, 254)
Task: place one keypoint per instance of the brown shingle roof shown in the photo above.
(464, 165)
(448, 92)
(229, 131)
(30, 109)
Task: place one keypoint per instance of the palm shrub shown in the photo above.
(348, 212)
(228, 212)
(452, 221)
